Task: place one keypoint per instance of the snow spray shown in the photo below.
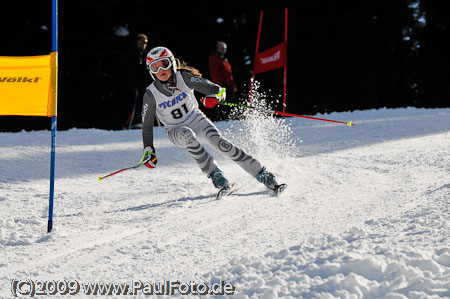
(260, 133)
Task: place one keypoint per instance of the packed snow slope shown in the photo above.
(366, 213)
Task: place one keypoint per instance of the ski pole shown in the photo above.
(221, 92)
(286, 114)
(132, 167)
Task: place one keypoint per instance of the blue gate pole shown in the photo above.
(52, 176)
(53, 125)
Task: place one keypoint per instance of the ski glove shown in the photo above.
(149, 158)
(210, 101)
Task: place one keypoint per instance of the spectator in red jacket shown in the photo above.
(220, 69)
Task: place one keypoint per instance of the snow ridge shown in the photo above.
(361, 262)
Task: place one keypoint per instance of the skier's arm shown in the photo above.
(148, 119)
(200, 84)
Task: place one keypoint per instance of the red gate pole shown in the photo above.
(256, 52)
(285, 65)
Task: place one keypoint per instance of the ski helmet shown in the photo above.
(163, 55)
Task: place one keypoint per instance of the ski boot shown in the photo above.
(221, 183)
(268, 179)
(218, 179)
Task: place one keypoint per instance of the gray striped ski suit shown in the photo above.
(176, 107)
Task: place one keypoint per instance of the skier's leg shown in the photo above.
(185, 137)
(207, 130)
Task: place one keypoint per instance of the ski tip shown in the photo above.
(280, 188)
(225, 191)
(99, 179)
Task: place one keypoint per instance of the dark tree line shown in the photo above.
(342, 55)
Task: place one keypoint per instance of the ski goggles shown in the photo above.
(163, 63)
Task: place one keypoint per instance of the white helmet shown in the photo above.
(160, 58)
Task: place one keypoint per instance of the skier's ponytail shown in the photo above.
(182, 65)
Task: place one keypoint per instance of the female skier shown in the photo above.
(171, 98)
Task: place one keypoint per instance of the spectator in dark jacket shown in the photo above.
(138, 78)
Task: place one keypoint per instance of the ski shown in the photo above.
(228, 191)
(225, 191)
